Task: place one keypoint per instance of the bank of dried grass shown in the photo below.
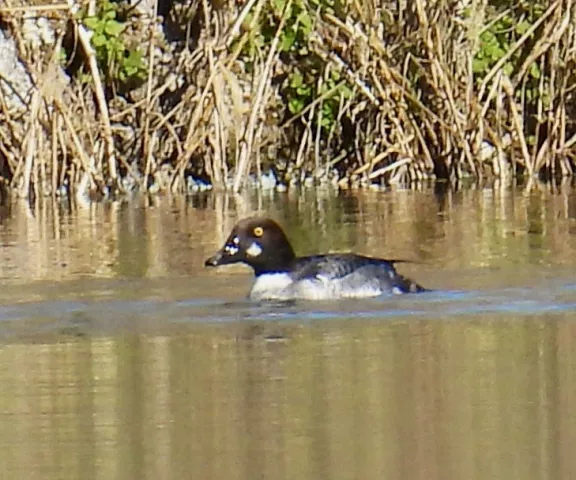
(418, 110)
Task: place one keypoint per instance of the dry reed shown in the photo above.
(408, 102)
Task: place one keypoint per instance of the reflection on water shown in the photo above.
(121, 357)
(478, 398)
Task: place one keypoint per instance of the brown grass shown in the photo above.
(208, 111)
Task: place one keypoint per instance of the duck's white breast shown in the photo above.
(271, 286)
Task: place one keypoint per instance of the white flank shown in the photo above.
(279, 286)
(325, 288)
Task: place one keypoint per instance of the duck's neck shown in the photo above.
(279, 261)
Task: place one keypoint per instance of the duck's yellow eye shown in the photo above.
(258, 231)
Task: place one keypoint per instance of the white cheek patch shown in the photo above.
(254, 250)
(235, 240)
(231, 249)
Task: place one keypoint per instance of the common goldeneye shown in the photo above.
(281, 275)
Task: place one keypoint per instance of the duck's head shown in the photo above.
(260, 243)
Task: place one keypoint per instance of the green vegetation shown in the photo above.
(499, 37)
(308, 79)
(119, 62)
(330, 90)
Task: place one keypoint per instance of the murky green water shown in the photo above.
(122, 357)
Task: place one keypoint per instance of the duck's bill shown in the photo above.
(214, 260)
(219, 258)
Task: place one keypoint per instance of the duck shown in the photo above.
(260, 243)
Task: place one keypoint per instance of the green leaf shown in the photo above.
(99, 40)
(494, 52)
(306, 22)
(114, 45)
(523, 27)
(109, 15)
(346, 91)
(303, 91)
(487, 37)
(279, 6)
(479, 65)
(325, 87)
(296, 80)
(134, 59)
(535, 71)
(295, 105)
(91, 22)
(538, 10)
(114, 28)
(288, 40)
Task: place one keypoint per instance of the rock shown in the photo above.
(16, 84)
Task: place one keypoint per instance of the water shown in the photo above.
(122, 357)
